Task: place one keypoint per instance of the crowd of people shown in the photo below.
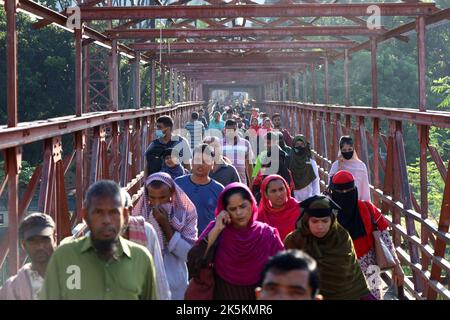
(233, 196)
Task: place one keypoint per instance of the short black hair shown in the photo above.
(204, 149)
(276, 115)
(345, 140)
(230, 122)
(194, 115)
(103, 189)
(201, 110)
(230, 111)
(166, 121)
(293, 259)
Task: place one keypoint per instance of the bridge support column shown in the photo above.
(153, 84)
(175, 86)
(420, 25)
(373, 56)
(346, 84)
(313, 85)
(163, 85)
(114, 77)
(326, 78)
(137, 82)
(170, 74)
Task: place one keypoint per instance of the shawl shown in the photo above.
(183, 216)
(283, 219)
(300, 165)
(340, 275)
(242, 253)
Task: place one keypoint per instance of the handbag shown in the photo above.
(202, 286)
(384, 258)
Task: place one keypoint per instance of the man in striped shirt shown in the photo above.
(196, 130)
(239, 151)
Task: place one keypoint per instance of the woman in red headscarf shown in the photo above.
(277, 208)
(237, 244)
(358, 218)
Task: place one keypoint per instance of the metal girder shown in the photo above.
(24, 134)
(430, 118)
(242, 32)
(228, 45)
(431, 19)
(237, 11)
(61, 21)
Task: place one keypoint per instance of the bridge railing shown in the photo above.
(97, 145)
(422, 244)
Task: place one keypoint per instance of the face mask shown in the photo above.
(159, 134)
(347, 201)
(299, 150)
(347, 155)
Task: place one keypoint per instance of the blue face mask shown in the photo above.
(159, 134)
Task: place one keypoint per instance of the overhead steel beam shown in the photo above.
(247, 11)
(228, 45)
(429, 20)
(61, 21)
(242, 32)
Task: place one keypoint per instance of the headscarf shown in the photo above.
(252, 126)
(242, 253)
(349, 216)
(300, 165)
(340, 274)
(183, 215)
(283, 219)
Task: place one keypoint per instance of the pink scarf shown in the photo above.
(183, 217)
(242, 253)
(136, 230)
(283, 219)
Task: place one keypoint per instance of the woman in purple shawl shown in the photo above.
(238, 245)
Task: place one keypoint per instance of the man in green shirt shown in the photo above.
(102, 265)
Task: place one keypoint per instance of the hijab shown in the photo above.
(300, 164)
(284, 218)
(349, 216)
(340, 274)
(242, 253)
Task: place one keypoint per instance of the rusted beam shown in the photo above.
(373, 58)
(429, 20)
(12, 137)
(12, 155)
(430, 118)
(228, 45)
(78, 72)
(11, 62)
(438, 161)
(242, 32)
(45, 22)
(60, 20)
(421, 62)
(252, 10)
(346, 80)
(114, 77)
(443, 226)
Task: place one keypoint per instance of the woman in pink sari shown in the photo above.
(237, 244)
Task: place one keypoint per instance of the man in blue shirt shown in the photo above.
(200, 188)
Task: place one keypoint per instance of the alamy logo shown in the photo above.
(374, 21)
(74, 280)
(73, 18)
